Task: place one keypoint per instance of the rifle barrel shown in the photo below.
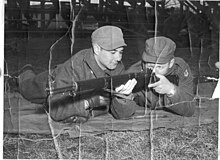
(112, 82)
(99, 84)
(104, 83)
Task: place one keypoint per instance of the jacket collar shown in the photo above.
(92, 64)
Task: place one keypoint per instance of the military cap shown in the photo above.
(108, 37)
(158, 50)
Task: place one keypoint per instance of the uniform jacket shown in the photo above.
(181, 102)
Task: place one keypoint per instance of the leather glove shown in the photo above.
(96, 101)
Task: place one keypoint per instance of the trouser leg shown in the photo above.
(33, 87)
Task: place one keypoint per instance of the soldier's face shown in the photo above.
(161, 69)
(109, 59)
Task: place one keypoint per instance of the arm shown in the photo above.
(177, 98)
(63, 110)
(180, 98)
(63, 106)
(122, 105)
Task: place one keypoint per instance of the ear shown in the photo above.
(96, 48)
(171, 62)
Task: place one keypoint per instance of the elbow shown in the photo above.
(190, 109)
(190, 113)
(185, 109)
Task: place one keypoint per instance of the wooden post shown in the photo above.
(42, 15)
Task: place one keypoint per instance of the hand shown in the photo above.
(104, 101)
(163, 86)
(127, 88)
(96, 101)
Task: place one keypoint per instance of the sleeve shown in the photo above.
(121, 107)
(65, 74)
(139, 98)
(182, 102)
(63, 106)
(64, 109)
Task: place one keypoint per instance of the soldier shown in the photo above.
(159, 56)
(102, 60)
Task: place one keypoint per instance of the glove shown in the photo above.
(126, 89)
(96, 101)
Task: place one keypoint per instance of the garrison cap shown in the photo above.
(108, 37)
(158, 50)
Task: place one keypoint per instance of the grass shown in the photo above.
(195, 142)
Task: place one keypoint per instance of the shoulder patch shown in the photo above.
(186, 73)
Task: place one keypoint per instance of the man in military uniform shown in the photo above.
(159, 57)
(102, 60)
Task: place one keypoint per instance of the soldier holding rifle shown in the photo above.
(102, 60)
(159, 57)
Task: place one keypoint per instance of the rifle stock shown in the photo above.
(85, 89)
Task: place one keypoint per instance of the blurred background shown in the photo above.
(33, 26)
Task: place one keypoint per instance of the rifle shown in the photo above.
(86, 88)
